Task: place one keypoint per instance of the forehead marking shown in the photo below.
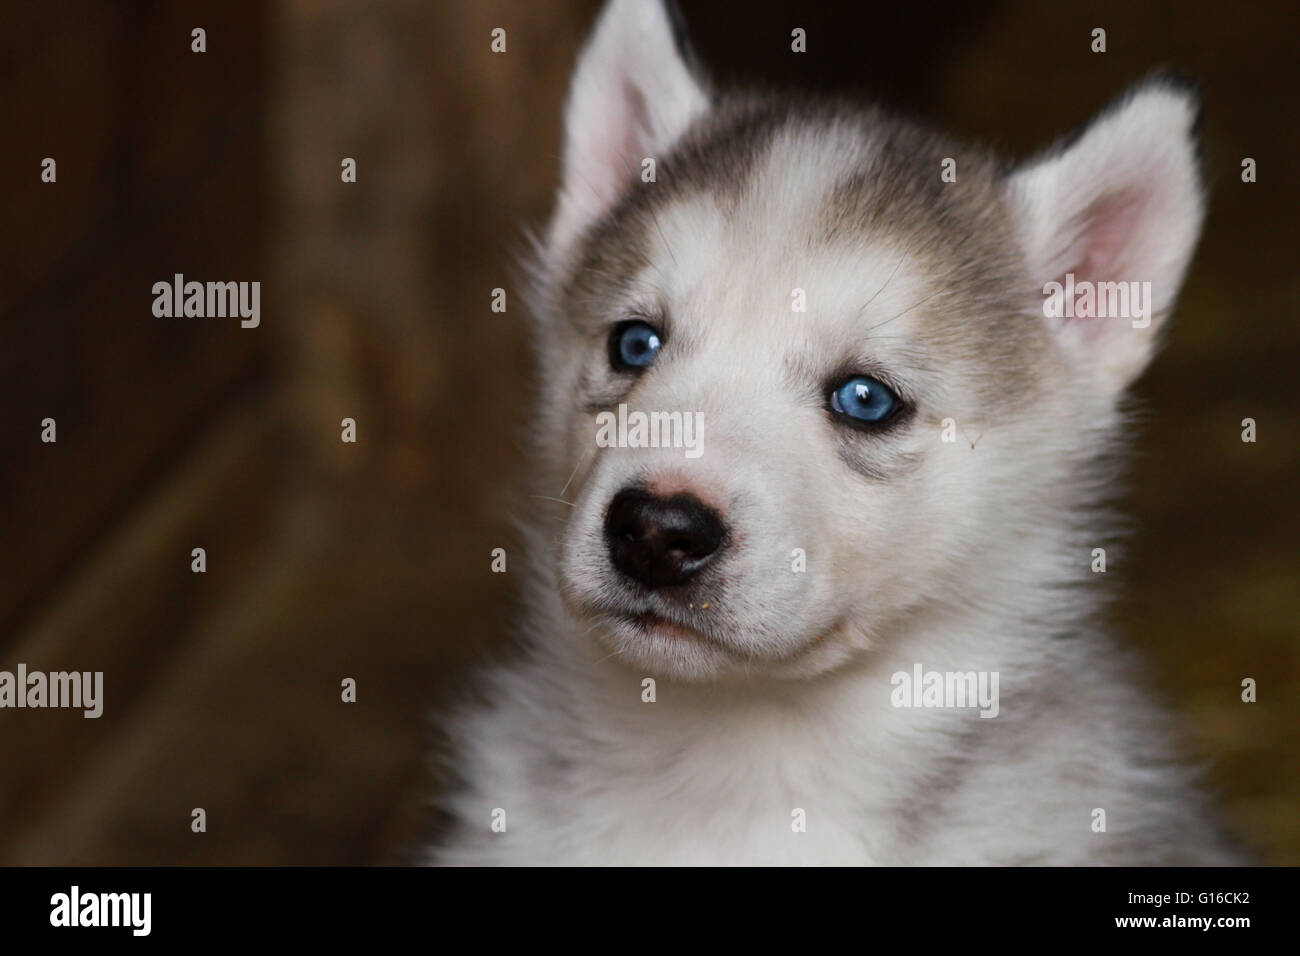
(843, 182)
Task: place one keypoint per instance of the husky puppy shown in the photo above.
(852, 616)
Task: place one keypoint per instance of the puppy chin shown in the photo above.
(658, 647)
(650, 642)
(656, 638)
(664, 648)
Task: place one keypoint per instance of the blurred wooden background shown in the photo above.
(370, 561)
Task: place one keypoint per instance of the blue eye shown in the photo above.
(633, 344)
(864, 399)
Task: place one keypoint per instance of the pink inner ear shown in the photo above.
(1106, 237)
(1100, 251)
(633, 130)
(609, 155)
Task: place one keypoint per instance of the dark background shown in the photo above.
(371, 560)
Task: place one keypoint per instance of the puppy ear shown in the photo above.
(1121, 204)
(632, 96)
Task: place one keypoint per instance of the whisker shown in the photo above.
(909, 309)
(883, 287)
(654, 217)
(589, 452)
(606, 657)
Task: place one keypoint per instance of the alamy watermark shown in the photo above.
(651, 430)
(76, 908)
(213, 300)
(74, 689)
(1098, 300)
(922, 688)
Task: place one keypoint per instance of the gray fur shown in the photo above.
(966, 555)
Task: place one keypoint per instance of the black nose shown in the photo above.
(661, 541)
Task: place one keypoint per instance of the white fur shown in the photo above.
(977, 560)
(631, 97)
(1123, 203)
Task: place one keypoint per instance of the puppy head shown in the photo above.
(806, 368)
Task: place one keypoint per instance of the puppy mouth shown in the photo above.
(648, 616)
(638, 630)
(648, 622)
(644, 622)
